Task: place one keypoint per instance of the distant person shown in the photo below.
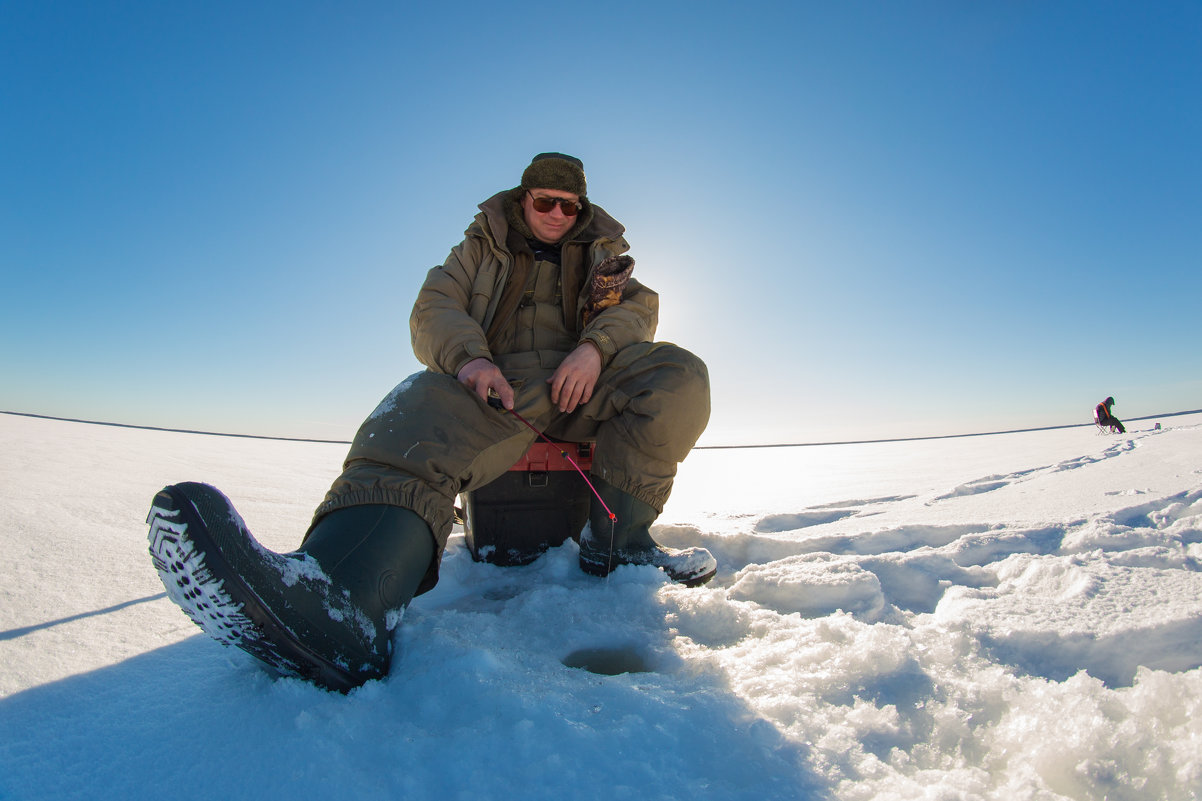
(534, 312)
(1105, 419)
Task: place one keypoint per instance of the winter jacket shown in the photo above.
(465, 302)
(405, 454)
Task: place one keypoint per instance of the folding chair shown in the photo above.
(1104, 428)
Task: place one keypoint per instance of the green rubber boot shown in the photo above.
(626, 540)
(324, 612)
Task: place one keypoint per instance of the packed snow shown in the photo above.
(1014, 616)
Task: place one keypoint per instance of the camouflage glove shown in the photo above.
(609, 282)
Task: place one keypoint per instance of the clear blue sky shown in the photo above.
(871, 219)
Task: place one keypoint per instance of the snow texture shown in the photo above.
(1015, 616)
(388, 405)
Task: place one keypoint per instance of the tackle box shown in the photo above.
(537, 504)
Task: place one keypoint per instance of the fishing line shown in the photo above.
(562, 453)
(495, 402)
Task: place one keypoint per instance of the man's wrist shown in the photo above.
(602, 343)
(467, 357)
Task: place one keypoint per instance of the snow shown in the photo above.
(1014, 616)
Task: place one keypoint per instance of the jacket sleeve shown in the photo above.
(445, 335)
(631, 321)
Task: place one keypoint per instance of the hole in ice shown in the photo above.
(608, 661)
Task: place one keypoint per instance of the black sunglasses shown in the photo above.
(543, 205)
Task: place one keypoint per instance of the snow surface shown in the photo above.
(1015, 616)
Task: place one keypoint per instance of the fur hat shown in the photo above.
(555, 171)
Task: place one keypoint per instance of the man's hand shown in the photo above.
(573, 383)
(481, 375)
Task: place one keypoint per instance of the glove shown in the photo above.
(609, 282)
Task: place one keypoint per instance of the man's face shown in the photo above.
(550, 226)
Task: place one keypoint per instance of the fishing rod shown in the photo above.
(494, 401)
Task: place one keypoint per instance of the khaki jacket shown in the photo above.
(465, 302)
(431, 439)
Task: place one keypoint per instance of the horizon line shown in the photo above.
(695, 447)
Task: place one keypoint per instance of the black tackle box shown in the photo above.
(537, 504)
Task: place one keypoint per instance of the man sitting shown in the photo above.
(1104, 419)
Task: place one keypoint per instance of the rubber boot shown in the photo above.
(626, 540)
(324, 613)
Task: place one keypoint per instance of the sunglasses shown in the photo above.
(543, 205)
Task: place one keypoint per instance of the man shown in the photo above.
(536, 311)
(1103, 417)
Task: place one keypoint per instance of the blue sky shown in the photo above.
(870, 219)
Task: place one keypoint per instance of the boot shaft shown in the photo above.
(379, 554)
(625, 539)
(630, 527)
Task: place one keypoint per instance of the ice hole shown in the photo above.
(608, 661)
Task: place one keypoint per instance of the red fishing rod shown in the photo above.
(494, 401)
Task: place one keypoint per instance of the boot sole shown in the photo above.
(199, 578)
(601, 570)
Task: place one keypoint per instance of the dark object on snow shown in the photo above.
(538, 504)
(626, 540)
(1104, 420)
(324, 613)
(608, 661)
